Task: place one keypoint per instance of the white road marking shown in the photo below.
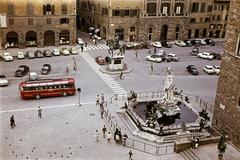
(105, 77)
(46, 107)
(96, 47)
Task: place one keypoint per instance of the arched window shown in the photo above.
(150, 30)
(29, 9)
(64, 9)
(48, 9)
(10, 10)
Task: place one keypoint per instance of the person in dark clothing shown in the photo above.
(130, 154)
(81, 48)
(121, 74)
(155, 50)
(12, 122)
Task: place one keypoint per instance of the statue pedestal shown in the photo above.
(116, 63)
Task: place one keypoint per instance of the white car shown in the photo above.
(65, 51)
(216, 69)
(7, 56)
(74, 50)
(3, 81)
(154, 58)
(205, 55)
(180, 43)
(20, 55)
(80, 41)
(56, 52)
(157, 44)
(202, 42)
(208, 69)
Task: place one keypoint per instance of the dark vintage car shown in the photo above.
(192, 69)
(167, 44)
(46, 68)
(195, 51)
(38, 54)
(188, 43)
(47, 53)
(21, 71)
(100, 60)
(196, 42)
(210, 42)
(216, 55)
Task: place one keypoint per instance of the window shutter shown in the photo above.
(53, 11)
(44, 10)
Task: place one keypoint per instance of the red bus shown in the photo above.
(47, 88)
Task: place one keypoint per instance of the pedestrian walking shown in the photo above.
(136, 53)
(85, 44)
(12, 122)
(102, 98)
(97, 100)
(109, 137)
(81, 48)
(94, 41)
(96, 135)
(155, 50)
(121, 74)
(75, 67)
(101, 110)
(130, 154)
(67, 69)
(104, 130)
(39, 112)
(124, 139)
(149, 51)
(151, 67)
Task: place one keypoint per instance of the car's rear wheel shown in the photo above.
(64, 94)
(38, 97)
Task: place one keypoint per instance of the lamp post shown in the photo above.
(79, 92)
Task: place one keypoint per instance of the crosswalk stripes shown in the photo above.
(96, 47)
(106, 78)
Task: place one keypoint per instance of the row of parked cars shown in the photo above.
(162, 56)
(22, 70)
(6, 56)
(209, 69)
(206, 55)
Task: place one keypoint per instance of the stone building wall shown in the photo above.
(38, 25)
(227, 104)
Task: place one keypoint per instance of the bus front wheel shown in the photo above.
(37, 96)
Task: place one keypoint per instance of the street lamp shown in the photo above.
(79, 91)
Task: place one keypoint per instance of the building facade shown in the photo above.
(150, 20)
(38, 23)
(227, 103)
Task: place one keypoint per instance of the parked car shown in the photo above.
(74, 50)
(65, 51)
(80, 41)
(216, 55)
(180, 43)
(208, 69)
(205, 55)
(7, 57)
(173, 57)
(46, 68)
(192, 69)
(30, 54)
(56, 52)
(20, 55)
(21, 71)
(216, 69)
(195, 51)
(157, 44)
(196, 42)
(202, 42)
(163, 55)
(154, 58)
(167, 44)
(3, 81)
(188, 43)
(47, 53)
(38, 54)
(100, 60)
(210, 42)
